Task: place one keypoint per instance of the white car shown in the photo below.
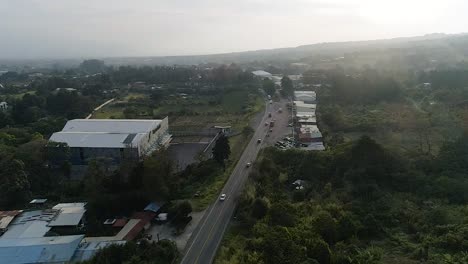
(248, 164)
(222, 197)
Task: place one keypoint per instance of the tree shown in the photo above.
(92, 66)
(269, 87)
(221, 150)
(130, 113)
(157, 173)
(287, 86)
(259, 208)
(14, 184)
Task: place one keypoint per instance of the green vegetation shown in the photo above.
(361, 203)
(161, 252)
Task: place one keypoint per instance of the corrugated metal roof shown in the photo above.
(94, 139)
(7, 216)
(39, 250)
(70, 214)
(86, 250)
(29, 224)
(125, 126)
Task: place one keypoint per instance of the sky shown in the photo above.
(117, 28)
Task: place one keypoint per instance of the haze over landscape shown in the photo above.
(74, 29)
(234, 132)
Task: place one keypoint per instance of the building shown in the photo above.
(305, 96)
(300, 106)
(6, 217)
(262, 74)
(37, 223)
(69, 215)
(115, 139)
(54, 249)
(309, 133)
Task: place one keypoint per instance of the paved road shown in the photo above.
(205, 240)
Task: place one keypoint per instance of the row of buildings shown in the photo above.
(308, 133)
(43, 235)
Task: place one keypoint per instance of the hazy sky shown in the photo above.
(98, 28)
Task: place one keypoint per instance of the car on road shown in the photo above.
(248, 164)
(271, 130)
(259, 140)
(266, 123)
(222, 197)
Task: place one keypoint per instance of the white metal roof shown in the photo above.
(97, 139)
(310, 113)
(70, 214)
(39, 250)
(262, 73)
(129, 126)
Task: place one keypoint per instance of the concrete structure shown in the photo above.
(115, 139)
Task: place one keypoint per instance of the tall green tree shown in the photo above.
(221, 150)
(14, 183)
(269, 87)
(287, 86)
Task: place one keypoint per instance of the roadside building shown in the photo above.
(309, 97)
(300, 106)
(307, 120)
(114, 139)
(310, 133)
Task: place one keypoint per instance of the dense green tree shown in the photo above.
(259, 208)
(14, 183)
(287, 86)
(221, 149)
(92, 66)
(268, 86)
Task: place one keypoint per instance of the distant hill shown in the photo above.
(443, 42)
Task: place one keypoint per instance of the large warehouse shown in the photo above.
(112, 138)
